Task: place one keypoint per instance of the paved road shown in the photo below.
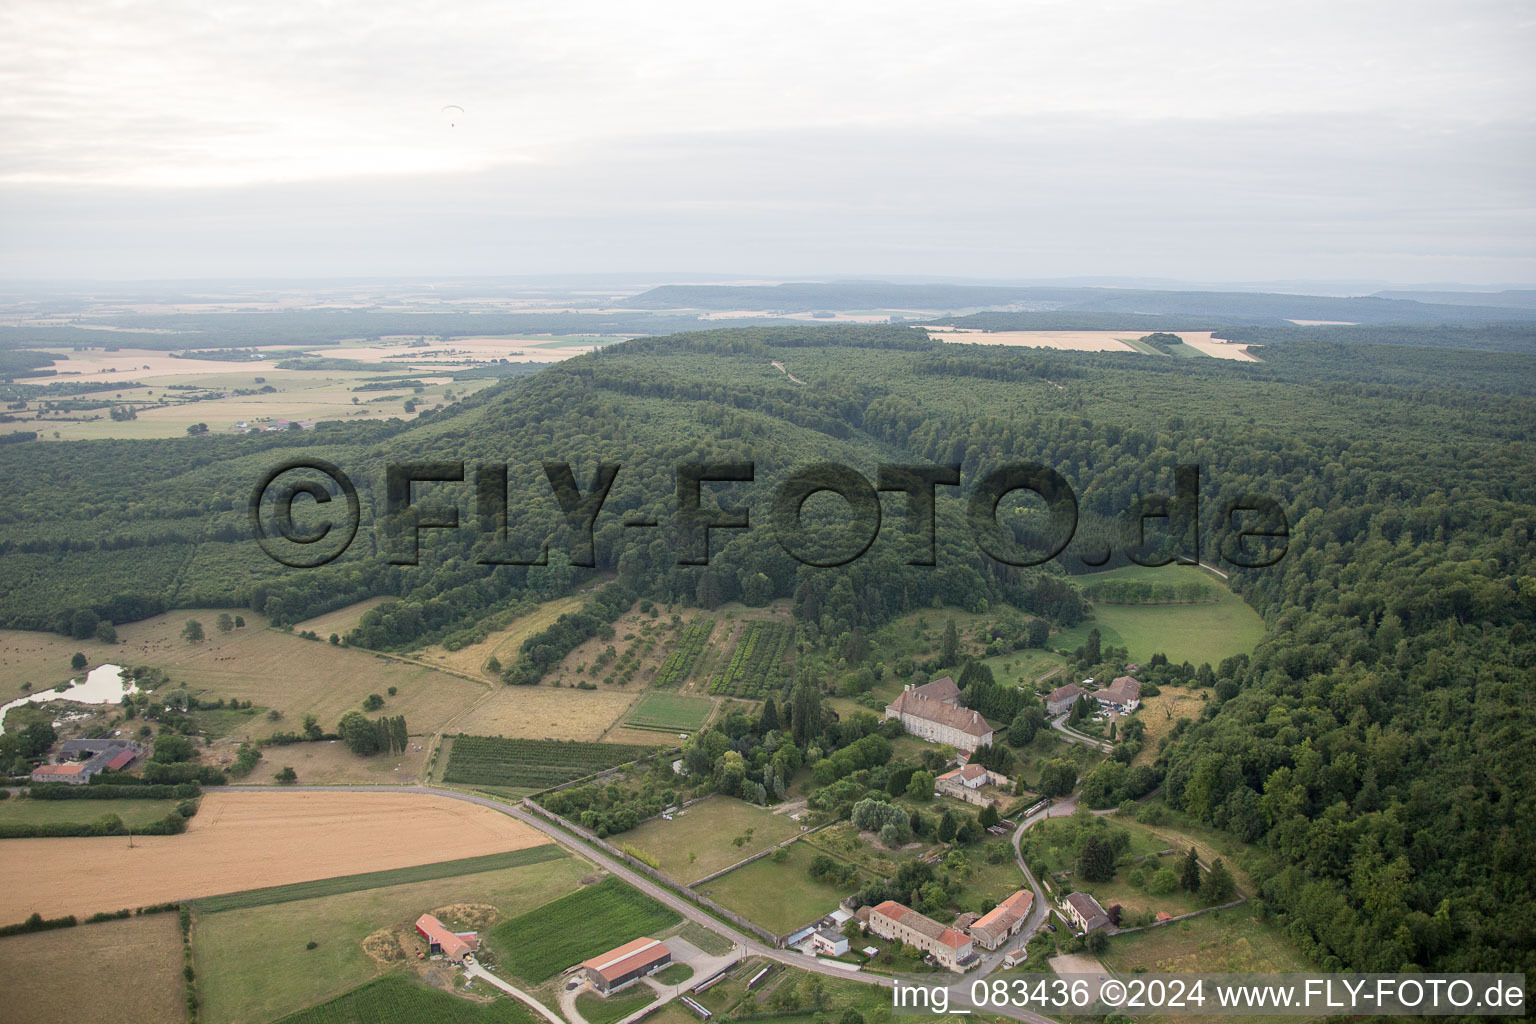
(1073, 736)
(959, 989)
(476, 971)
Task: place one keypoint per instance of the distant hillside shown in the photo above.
(1230, 307)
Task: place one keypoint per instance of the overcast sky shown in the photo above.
(1343, 139)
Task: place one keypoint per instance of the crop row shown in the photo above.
(675, 670)
(755, 667)
(531, 764)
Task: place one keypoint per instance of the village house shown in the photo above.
(1060, 700)
(1124, 694)
(933, 712)
(1003, 921)
(81, 759)
(1085, 912)
(949, 946)
(966, 782)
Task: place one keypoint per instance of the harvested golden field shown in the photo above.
(268, 667)
(502, 644)
(134, 965)
(1087, 341)
(546, 713)
(252, 839)
(1071, 341)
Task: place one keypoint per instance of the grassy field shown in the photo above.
(503, 644)
(328, 763)
(397, 999)
(1161, 713)
(669, 712)
(607, 1009)
(268, 667)
(1025, 667)
(541, 943)
(546, 712)
(1195, 633)
(135, 813)
(378, 879)
(342, 620)
(699, 841)
(530, 764)
(252, 964)
(780, 897)
(135, 962)
(1221, 941)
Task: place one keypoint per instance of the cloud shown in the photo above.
(990, 138)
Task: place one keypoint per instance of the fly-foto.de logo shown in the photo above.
(306, 513)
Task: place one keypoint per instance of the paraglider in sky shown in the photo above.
(453, 113)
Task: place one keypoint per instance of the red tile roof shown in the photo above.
(453, 945)
(631, 956)
(122, 760)
(58, 769)
(908, 702)
(1012, 909)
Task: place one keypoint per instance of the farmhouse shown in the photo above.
(626, 964)
(1124, 694)
(80, 759)
(442, 939)
(951, 947)
(1003, 921)
(1060, 700)
(1084, 911)
(966, 782)
(933, 712)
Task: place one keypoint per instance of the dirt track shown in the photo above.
(250, 840)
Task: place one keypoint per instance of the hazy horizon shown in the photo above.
(1305, 141)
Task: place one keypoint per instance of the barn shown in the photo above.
(442, 939)
(626, 964)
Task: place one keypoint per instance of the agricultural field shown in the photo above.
(269, 667)
(670, 713)
(779, 896)
(674, 672)
(702, 838)
(252, 962)
(1196, 633)
(530, 764)
(397, 999)
(135, 813)
(611, 913)
(327, 763)
(137, 960)
(502, 644)
(252, 839)
(641, 642)
(598, 1009)
(544, 712)
(756, 666)
(1199, 342)
(322, 887)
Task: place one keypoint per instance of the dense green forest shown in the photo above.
(1374, 743)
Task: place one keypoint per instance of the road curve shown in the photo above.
(662, 894)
